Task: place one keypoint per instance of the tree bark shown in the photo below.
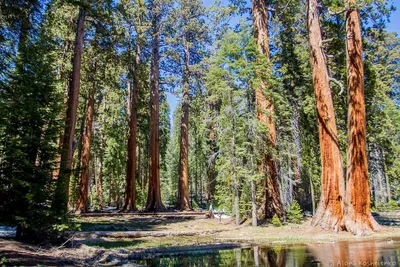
(154, 202)
(358, 219)
(99, 181)
(82, 205)
(377, 171)
(182, 202)
(272, 203)
(130, 189)
(60, 201)
(329, 213)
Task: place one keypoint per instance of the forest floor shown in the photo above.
(110, 239)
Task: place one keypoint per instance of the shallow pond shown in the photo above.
(344, 253)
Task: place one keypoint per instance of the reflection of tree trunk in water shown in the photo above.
(265, 111)
(358, 219)
(329, 213)
(256, 256)
(238, 255)
(348, 253)
(273, 257)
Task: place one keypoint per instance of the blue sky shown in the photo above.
(393, 26)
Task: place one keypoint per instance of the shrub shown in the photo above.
(294, 213)
(275, 221)
(386, 207)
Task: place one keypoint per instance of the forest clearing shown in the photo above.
(109, 241)
(199, 132)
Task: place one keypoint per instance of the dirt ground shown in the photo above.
(108, 240)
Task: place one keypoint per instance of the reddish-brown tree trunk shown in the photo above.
(183, 185)
(272, 203)
(82, 205)
(60, 201)
(130, 189)
(154, 202)
(330, 210)
(358, 218)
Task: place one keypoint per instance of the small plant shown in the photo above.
(294, 213)
(386, 207)
(3, 261)
(275, 221)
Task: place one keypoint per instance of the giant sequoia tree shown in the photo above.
(358, 218)
(154, 202)
(272, 203)
(330, 209)
(60, 202)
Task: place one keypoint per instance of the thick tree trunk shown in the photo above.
(82, 205)
(272, 203)
(358, 218)
(130, 189)
(329, 213)
(60, 201)
(182, 202)
(154, 202)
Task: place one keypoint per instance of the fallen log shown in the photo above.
(160, 214)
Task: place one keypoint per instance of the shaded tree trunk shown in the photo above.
(99, 182)
(211, 173)
(154, 202)
(378, 175)
(358, 219)
(272, 203)
(60, 201)
(182, 202)
(329, 213)
(130, 189)
(82, 205)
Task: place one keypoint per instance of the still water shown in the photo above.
(345, 253)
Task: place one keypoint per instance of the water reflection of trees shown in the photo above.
(361, 253)
(338, 254)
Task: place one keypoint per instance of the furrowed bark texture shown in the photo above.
(272, 203)
(61, 197)
(82, 205)
(358, 219)
(183, 185)
(130, 189)
(329, 213)
(154, 202)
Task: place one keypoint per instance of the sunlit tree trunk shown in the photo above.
(272, 203)
(329, 213)
(82, 205)
(60, 201)
(183, 185)
(358, 218)
(154, 202)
